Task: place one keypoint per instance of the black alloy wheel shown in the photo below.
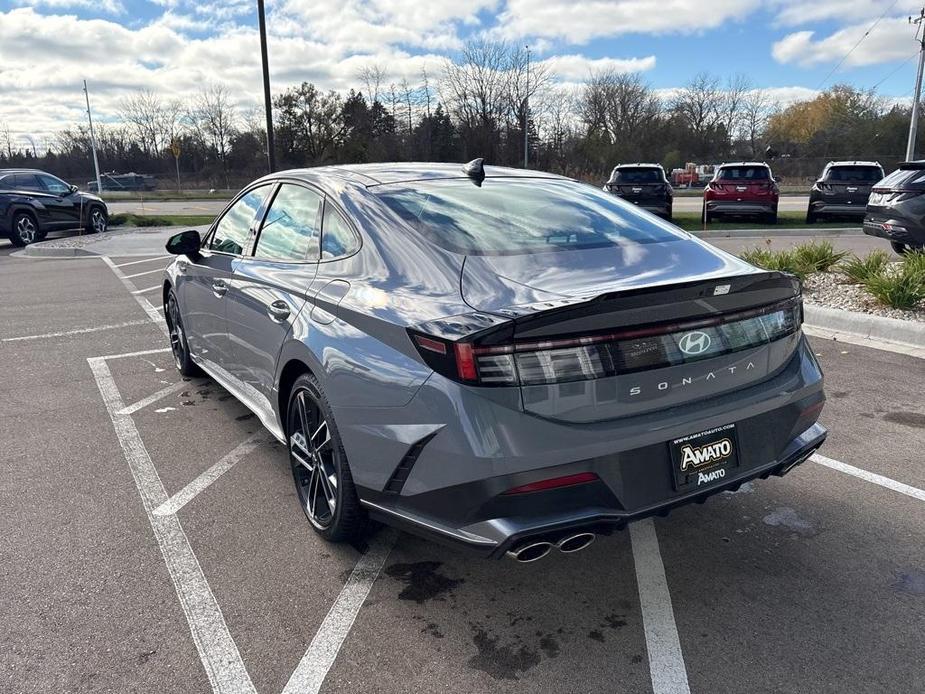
(97, 221)
(319, 465)
(25, 230)
(178, 344)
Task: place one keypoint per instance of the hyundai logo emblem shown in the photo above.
(694, 343)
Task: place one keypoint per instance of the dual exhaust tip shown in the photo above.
(535, 550)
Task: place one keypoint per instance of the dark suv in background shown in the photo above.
(842, 189)
(896, 208)
(33, 202)
(644, 185)
(742, 189)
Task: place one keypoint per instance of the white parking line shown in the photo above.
(146, 305)
(217, 650)
(313, 668)
(78, 331)
(146, 290)
(666, 662)
(146, 260)
(147, 272)
(198, 485)
(872, 477)
(154, 397)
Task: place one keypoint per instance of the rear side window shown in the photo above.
(743, 173)
(511, 215)
(26, 181)
(232, 229)
(337, 238)
(904, 178)
(290, 230)
(638, 175)
(854, 174)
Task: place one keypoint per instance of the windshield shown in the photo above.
(854, 174)
(509, 216)
(637, 175)
(744, 174)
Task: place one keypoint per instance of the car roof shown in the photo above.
(638, 163)
(853, 163)
(378, 174)
(745, 163)
(3, 172)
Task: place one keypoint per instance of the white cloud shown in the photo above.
(577, 68)
(888, 41)
(107, 6)
(578, 22)
(797, 12)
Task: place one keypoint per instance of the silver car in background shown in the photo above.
(502, 359)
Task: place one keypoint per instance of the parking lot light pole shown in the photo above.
(271, 154)
(96, 163)
(917, 95)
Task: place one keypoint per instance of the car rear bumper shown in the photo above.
(741, 207)
(839, 209)
(453, 489)
(659, 207)
(898, 230)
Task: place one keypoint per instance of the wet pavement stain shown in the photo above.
(596, 634)
(549, 646)
(911, 582)
(423, 581)
(614, 621)
(501, 662)
(432, 629)
(244, 417)
(787, 518)
(909, 419)
(839, 393)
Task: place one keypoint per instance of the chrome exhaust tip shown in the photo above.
(532, 551)
(575, 543)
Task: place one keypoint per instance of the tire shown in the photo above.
(899, 248)
(25, 229)
(668, 215)
(332, 506)
(705, 216)
(178, 343)
(810, 218)
(97, 220)
(771, 219)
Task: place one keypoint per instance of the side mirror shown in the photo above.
(185, 243)
(73, 188)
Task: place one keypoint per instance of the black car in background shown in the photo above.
(896, 208)
(842, 190)
(33, 202)
(644, 185)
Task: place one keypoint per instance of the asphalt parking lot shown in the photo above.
(152, 542)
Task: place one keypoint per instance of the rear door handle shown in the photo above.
(278, 311)
(219, 288)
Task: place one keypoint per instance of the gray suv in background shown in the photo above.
(502, 359)
(896, 208)
(842, 190)
(644, 185)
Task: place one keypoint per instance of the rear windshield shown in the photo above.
(637, 175)
(743, 173)
(511, 216)
(904, 178)
(854, 174)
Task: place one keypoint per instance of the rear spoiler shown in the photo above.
(912, 165)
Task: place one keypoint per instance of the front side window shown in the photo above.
(53, 185)
(290, 230)
(337, 238)
(511, 216)
(232, 229)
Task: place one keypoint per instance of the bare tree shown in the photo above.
(151, 120)
(213, 119)
(700, 103)
(737, 90)
(372, 76)
(756, 109)
(620, 105)
(426, 95)
(5, 140)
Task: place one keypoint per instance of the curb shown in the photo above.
(32, 251)
(863, 325)
(771, 231)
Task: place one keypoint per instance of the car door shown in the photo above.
(63, 205)
(204, 282)
(269, 287)
(339, 242)
(28, 185)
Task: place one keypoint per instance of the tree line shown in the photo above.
(490, 101)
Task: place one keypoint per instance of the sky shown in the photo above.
(791, 47)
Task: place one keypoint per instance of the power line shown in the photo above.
(866, 34)
(894, 71)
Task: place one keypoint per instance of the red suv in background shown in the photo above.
(743, 189)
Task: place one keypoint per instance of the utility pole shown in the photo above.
(916, 97)
(96, 162)
(527, 116)
(271, 154)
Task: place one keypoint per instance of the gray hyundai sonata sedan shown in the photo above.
(503, 359)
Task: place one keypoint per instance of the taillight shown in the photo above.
(593, 356)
